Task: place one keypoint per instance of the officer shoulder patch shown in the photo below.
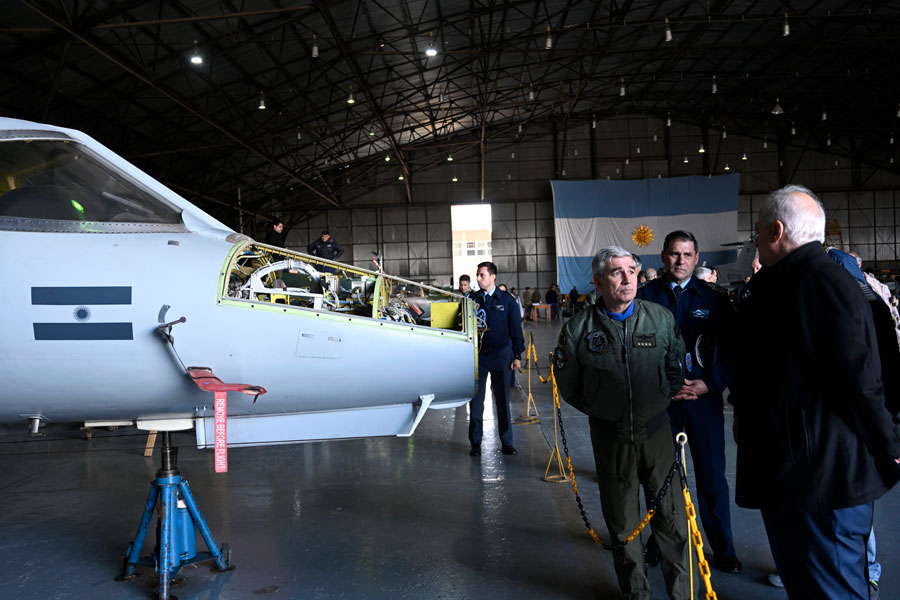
(644, 340)
(559, 358)
(597, 341)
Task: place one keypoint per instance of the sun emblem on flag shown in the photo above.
(642, 235)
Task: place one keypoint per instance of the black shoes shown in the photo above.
(509, 450)
(728, 564)
(476, 450)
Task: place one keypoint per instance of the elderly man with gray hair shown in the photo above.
(620, 362)
(816, 444)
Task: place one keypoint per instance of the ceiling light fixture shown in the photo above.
(314, 52)
(196, 59)
(777, 110)
(450, 157)
(824, 114)
(548, 43)
(715, 88)
(744, 156)
(793, 129)
(431, 50)
(892, 137)
(727, 168)
(655, 137)
(637, 150)
(668, 119)
(454, 180)
(724, 135)
(828, 140)
(621, 86)
(387, 158)
(531, 92)
(765, 143)
(668, 31)
(593, 122)
(702, 149)
(262, 101)
(685, 159)
(401, 178)
(786, 28)
(627, 161)
(350, 98)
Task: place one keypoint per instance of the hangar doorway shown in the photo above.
(471, 224)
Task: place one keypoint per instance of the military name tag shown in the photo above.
(597, 341)
(499, 307)
(700, 313)
(645, 340)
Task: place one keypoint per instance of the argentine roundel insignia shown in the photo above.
(597, 341)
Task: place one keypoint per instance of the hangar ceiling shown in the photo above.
(503, 72)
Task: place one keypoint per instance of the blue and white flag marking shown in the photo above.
(82, 313)
(597, 213)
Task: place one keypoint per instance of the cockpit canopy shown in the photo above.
(64, 181)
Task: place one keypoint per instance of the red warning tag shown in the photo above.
(221, 432)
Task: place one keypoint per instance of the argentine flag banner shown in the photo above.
(637, 215)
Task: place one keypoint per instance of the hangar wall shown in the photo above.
(861, 200)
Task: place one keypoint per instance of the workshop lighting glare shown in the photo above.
(401, 178)
(786, 28)
(668, 31)
(686, 159)
(744, 156)
(715, 88)
(777, 110)
(350, 98)
(454, 180)
(727, 168)
(430, 51)
(262, 101)
(622, 86)
(548, 43)
(387, 159)
(314, 52)
(702, 149)
(449, 158)
(196, 59)
(371, 134)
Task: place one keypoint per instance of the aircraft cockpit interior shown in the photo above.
(274, 276)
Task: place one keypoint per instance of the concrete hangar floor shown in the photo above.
(371, 518)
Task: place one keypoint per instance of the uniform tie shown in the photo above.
(677, 291)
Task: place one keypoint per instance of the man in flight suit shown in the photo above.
(620, 362)
(499, 354)
(704, 316)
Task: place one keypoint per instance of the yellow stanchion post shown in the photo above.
(530, 417)
(561, 477)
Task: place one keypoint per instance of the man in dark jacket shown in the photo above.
(325, 247)
(705, 317)
(816, 445)
(499, 353)
(275, 234)
(620, 362)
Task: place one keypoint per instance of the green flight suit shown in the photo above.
(623, 376)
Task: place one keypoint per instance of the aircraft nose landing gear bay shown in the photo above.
(178, 517)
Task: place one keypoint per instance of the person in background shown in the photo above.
(650, 274)
(325, 247)
(275, 234)
(527, 302)
(465, 284)
(552, 299)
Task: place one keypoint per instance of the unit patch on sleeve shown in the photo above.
(644, 340)
(597, 341)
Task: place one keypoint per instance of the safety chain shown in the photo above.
(531, 354)
(652, 506)
(702, 563)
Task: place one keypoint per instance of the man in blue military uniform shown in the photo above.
(499, 354)
(325, 247)
(705, 316)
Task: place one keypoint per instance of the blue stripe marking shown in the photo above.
(80, 295)
(645, 197)
(83, 331)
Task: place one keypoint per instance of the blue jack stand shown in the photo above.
(175, 541)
